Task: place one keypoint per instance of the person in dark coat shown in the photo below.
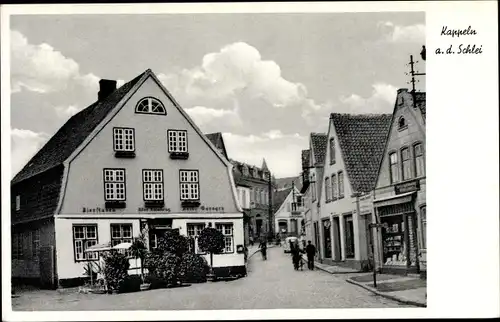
(310, 251)
(295, 250)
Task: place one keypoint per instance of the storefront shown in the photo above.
(398, 236)
(327, 238)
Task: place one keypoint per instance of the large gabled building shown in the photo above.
(399, 197)
(355, 148)
(132, 161)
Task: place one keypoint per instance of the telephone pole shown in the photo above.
(270, 205)
(413, 73)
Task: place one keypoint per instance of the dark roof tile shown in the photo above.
(305, 158)
(362, 141)
(319, 147)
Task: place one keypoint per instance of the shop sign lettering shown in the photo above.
(98, 210)
(143, 209)
(204, 209)
(407, 187)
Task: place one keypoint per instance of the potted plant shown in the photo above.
(211, 241)
(139, 250)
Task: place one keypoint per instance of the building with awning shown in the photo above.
(399, 198)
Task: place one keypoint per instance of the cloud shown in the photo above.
(42, 69)
(66, 112)
(381, 101)
(278, 149)
(394, 33)
(203, 115)
(24, 145)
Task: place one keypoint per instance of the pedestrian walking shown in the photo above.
(295, 250)
(311, 252)
(263, 248)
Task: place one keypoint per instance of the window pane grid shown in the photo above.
(150, 105)
(153, 185)
(123, 139)
(189, 185)
(177, 141)
(114, 185)
(83, 238)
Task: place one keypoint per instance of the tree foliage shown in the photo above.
(211, 241)
(116, 270)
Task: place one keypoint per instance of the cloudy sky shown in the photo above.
(264, 80)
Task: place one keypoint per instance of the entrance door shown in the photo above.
(258, 223)
(327, 239)
(336, 237)
(349, 237)
(47, 267)
(316, 237)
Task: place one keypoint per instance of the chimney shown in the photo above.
(106, 87)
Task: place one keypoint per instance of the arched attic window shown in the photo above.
(150, 105)
(402, 123)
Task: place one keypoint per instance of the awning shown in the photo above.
(394, 200)
(123, 246)
(99, 248)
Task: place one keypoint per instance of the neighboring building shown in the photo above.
(399, 196)
(132, 161)
(354, 150)
(252, 184)
(306, 195)
(317, 148)
(289, 217)
(257, 180)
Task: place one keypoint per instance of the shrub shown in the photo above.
(194, 268)
(116, 270)
(164, 262)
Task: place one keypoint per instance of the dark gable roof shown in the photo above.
(218, 141)
(305, 158)
(362, 141)
(72, 134)
(279, 197)
(319, 147)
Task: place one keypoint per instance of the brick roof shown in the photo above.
(362, 141)
(305, 158)
(72, 134)
(218, 141)
(319, 147)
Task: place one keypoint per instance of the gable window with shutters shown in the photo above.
(190, 187)
(150, 105)
(84, 236)
(405, 160)
(114, 188)
(227, 232)
(153, 191)
(418, 153)
(341, 184)
(177, 144)
(328, 189)
(335, 191)
(393, 167)
(124, 142)
(332, 151)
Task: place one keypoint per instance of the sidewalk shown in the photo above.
(404, 289)
(332, 269)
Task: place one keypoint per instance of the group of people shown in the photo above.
(297, 252)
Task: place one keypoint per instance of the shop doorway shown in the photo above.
(316, 237)
(349, 237)
(336, 239)
(327, 238)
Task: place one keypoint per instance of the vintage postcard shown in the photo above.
(244, 159)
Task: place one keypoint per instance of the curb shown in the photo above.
(391, 297)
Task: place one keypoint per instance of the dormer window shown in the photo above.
(123, 142)
(177, 144)
(402, 123)
(150, 105)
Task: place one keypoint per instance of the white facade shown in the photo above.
(290, 214)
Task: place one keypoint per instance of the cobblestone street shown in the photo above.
(270, 284)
